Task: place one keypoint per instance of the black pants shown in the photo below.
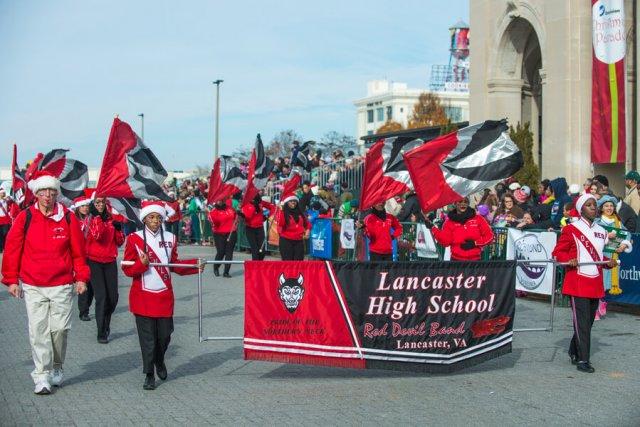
(84, 300)
(291, 250)
(255, 236)
(380, 257)
(583, 311)
(4, 229)
(104, 279)
(224, 248)
(154, 334)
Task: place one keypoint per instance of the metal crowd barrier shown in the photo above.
(228, 338)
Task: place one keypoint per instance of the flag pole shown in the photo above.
(216, 146)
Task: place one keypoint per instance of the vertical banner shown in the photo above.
(629, 276)
(608, 137)
(531, 246)
(347, 234)
(321, 240)
(425, 245)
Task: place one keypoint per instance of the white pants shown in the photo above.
(49, 313)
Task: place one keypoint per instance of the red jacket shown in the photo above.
(177, 216)
(254, 218)
(454, 234)
(585, 282)
(103, 240)
(223, 221)
(380, 233)
(295, 229)
(50, 253)
(142, 300)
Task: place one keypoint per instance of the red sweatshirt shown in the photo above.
(177, 216)
(454, 234)
(380, 234)
(103, 240)
(295, 229)
(50, 253)
(151, 293)
(254, 218)
(223, 221)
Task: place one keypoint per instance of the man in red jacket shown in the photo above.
(223, 223)
(45, 251)
(582, 242)
(381, 228)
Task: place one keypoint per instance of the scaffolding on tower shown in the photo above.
(454, 77)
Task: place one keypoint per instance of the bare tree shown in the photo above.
(280, 145)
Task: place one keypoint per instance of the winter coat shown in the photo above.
(458, 228)
(103, 240)
(559, 187)
(223, 221)
(294, 230)
(381, 233)
(255, 218)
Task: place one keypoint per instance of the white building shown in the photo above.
(387, 100)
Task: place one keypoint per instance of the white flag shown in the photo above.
(425, 245)
(347, 234)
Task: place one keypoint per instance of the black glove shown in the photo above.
(117, 225)
(93, 211)
(468, 244)
(428, 224)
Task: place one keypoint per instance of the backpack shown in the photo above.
(27, 221)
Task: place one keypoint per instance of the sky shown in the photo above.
(67, 67)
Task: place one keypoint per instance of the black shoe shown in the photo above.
(85, 318)
(103, 340)
(574, 358)
(149, 382)
(161, 370)
(585, 367)
(226, 275)
(216, 273)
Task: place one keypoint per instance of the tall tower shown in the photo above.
(455, 76)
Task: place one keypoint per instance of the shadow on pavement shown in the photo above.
(205, 362)
(108, 367)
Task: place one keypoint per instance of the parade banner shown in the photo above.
(531, 246)
(608, 136)
(347, 234)
(434, 317)
(321, 241)
(629, 277)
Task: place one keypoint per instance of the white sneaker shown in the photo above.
(43, 387)
(57, 377)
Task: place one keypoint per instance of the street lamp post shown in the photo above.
(216, 146)
(141, 115)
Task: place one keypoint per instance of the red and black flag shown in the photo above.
(300, 156)
(72, 174)
(20, 193)
(462, 163)
(260, 167)
(226, 180)
(129, 168)
(385, 173)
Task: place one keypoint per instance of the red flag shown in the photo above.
(19, 190)
(462, 163)
(251, 192)
(290, 187)
(130, 169)
(385, 174)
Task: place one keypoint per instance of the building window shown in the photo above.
(369, 132)
(380, 114)
(389, 113)
(401, 110)
(369, 116)
(453, 113)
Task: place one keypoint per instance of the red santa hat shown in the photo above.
(152, 206)
(289, 189)
(85, 199)
(42, 180)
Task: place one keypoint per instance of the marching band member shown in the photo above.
(254, 217)
(80, 208)
(104, 238)
(293, 227)
(223, 221)
(151, 297)
(381, 228)
(583, 241)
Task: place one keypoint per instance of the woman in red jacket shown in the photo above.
(81, 209)
(102, 242)
(293, 227)
(223, 222)
(381, 228)
(465, 232)
(151, 296)
(254, 217)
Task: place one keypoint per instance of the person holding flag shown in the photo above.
(80, 207)
(255, 214)
(582, 243)
(223, 222)
(102, 242)
(293, 226)
(151, 297)
(381, 228)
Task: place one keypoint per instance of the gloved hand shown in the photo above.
(117, 225)
(468, 244)
(428, 224)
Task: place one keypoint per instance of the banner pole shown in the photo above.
(199, 302)
(553, 296)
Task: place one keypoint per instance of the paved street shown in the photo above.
(210, 383)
